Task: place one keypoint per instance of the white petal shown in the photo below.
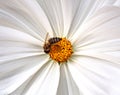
(67, 85)
(83, 11)
(21, 88)
(98, 50)
(20, 57)
(9, 34)
(69, 9)
(106, 50)
(26, 16)
(15, 72)
(96, 42)
(109, 2)
(117, 3)
(53, 10)
(16, 44)
(66, 16)
(45, 81)
(93, 76)
(103, 26)
(115, 84)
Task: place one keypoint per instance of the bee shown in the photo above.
(47, 44)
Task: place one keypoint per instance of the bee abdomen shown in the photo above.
(54, 40)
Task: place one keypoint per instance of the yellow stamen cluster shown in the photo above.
(61, 51)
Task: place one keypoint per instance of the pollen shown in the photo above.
(61, 51)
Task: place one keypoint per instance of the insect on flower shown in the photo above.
(47, 44)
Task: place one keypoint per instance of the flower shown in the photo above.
(92, 27)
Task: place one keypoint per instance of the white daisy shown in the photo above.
(88, 47)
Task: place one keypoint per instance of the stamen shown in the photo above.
(61, 50)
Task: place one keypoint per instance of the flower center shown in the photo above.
(61, 50)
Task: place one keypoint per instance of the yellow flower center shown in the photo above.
(61, 50)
